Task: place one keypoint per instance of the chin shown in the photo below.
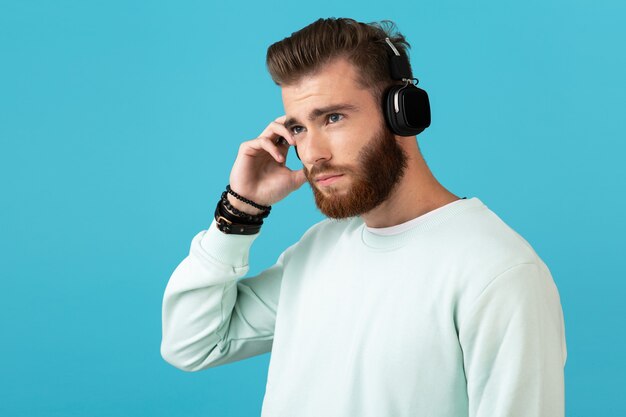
(332, 189)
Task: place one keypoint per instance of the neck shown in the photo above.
(417, 193)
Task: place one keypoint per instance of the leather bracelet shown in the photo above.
(228, 224)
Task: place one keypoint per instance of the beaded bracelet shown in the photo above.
(245, 200)
(245, 216)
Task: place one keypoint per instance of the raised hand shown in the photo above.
(259, 172)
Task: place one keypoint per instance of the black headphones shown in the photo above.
(406, 107)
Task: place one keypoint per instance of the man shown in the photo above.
(409, 301)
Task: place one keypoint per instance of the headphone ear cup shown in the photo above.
(413, 110)
(391, 117)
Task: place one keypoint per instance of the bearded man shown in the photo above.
(406, 301)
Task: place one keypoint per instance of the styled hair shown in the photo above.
(306, 51)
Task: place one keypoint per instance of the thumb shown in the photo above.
(298, 178)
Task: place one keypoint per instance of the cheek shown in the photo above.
(346, 146)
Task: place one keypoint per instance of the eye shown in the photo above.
(334, 117)
(296, 129)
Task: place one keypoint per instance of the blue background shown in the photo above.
(120, 120)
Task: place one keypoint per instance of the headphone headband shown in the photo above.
(398, 64)
(406, 107)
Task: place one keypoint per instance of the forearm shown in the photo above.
(200, 296)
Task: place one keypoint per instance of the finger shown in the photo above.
(261, 145)
(275, 130)
(283, 147)
(270, 147)
(298, 178)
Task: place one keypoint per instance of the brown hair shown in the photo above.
(362, 44)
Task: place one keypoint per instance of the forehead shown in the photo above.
(335, 83)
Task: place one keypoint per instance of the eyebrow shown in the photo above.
(315, 113)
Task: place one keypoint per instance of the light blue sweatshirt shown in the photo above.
(456, 316)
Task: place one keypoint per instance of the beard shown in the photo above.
(381, 165)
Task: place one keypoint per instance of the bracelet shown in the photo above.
(231, 220)
(228, 224)
(241, 214)
(245, 200)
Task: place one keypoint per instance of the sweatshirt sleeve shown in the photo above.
(514, 348)
(209, 316)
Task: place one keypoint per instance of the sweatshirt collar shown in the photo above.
(387, 238)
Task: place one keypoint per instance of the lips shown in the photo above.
(327, 179)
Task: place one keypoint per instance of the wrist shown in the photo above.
(232, 220)
(244, 207)
(229, 192)
(235, 223)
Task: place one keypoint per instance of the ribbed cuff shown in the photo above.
(229, 249)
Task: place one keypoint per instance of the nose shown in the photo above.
(313, 149)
